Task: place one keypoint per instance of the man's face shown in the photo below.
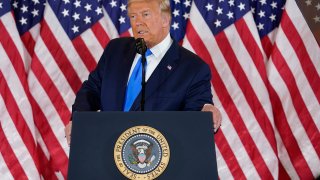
(148, 22)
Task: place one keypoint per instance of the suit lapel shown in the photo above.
(122, 76)
(167, 66)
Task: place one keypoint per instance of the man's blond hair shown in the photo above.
(164, 5)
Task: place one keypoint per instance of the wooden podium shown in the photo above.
(189, 136)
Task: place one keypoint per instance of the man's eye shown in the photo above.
(145, 14)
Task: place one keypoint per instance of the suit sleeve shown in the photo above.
(88, 97)
(199, 91)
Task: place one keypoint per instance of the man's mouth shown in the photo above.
(142, 32)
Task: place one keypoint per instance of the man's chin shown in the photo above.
(137, 35)
(141, 36)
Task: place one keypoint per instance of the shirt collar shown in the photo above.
(162, 47)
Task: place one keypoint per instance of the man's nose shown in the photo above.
(139, 21)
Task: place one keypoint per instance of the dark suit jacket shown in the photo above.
(181, 81)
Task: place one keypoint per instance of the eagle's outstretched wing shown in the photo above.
(134, 152)
(149, 151)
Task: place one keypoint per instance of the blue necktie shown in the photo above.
(134, 84)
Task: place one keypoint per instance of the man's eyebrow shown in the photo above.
(146, 10)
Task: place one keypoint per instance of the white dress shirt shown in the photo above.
(154, 59)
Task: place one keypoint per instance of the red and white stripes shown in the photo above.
(258, 136)
(36, 98)
(293, 71)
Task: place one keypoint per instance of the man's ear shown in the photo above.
(165, 20)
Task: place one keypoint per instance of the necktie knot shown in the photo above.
(148, 52)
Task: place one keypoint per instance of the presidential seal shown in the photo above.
(141, 152)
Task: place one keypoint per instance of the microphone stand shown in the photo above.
(141, 48)
(143, 82)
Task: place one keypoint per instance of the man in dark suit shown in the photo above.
(177, 79)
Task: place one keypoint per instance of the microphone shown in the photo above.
(141, 48)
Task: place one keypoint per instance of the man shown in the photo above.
(177, 80)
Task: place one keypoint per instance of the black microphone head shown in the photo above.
(141, 46)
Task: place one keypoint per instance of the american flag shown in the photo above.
(263, 54)
(265, 65)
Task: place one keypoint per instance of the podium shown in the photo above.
(104, 142)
